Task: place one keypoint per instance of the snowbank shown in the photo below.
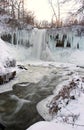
(77, 57)
(44, 125)
(5, 56)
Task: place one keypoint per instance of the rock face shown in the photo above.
(6, 37)
(8, 74)
(4, 78)
(60, 43)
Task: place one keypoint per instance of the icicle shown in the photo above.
(12, 39)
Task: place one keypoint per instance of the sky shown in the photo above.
(43, 10)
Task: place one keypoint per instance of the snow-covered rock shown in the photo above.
(6, 58)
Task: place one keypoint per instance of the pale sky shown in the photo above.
(43, 10)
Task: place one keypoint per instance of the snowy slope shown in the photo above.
(5, 55)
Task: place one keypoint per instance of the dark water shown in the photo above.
(18, 107)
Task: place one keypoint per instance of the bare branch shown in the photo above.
(50, 2)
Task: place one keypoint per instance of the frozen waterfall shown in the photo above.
(37, 40)
(38, 43)
(54, 44)
(40, 48)
(71, 37)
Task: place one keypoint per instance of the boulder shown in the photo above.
(22, 67)
(4, 78)
(6, 37)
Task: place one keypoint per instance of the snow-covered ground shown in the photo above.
(44, 125)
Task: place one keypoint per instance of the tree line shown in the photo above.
(71, 19)
(16, 9)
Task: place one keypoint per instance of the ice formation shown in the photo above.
(51, 44)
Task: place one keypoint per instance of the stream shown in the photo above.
(18, 106)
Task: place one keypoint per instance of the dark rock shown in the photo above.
(78, 80)
(22, 67)
(14, 39)
(72, 97)
(4, 78)
(1, 80)
(64, 37)
(78, 46)
(12, 75)
(60, 43)
(57, 37)
(6, 37)
(67, 102)
(68, 44)
(80, 66)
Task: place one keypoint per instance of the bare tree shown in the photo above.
(29, 17)
(56, 11)
(14, 7)
(51, 3)
(4, 5)
(19, 6)
(80, 9)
